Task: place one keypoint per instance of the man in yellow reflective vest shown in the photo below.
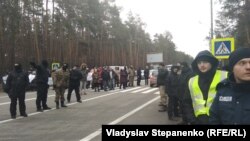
(201, 89)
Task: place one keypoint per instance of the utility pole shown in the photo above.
(212, 20)
(212, 28)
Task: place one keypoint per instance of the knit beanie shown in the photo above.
(237, 55)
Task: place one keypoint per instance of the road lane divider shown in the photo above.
(99, 131)
(69, 104)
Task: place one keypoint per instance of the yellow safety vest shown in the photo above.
(201, 107)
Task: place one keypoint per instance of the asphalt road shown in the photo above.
(82, 121)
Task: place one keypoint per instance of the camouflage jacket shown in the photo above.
(61, 79)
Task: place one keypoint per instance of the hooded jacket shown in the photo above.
(204, 82)
(205, 79)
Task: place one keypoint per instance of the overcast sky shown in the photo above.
(187, 20)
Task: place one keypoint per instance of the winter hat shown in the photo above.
(206, 58)
(17, 67)
(237, 55)
(204, 55)
(45, 63)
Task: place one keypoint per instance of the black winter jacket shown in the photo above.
(173, 85)
(75, 78)
(186, 74)
(161, 77)
(16, 83)
(42, 74)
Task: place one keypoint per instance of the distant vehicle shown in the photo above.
(153, 77)
(142, 75)
(168, 67)
(116, 67)
(4, 78)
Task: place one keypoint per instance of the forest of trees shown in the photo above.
(76, 31)
(92, 31)
(234, 21)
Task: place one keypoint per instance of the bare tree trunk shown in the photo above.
(46, 48)
(247, 5)
(248, 36)
(52, 47)
(101, 49)
(35, 34)
(2, 53)
(113, 53)
(36, 40)
(130, 52)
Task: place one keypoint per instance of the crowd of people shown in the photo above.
(204, 94)
(76, 79)
(200, 94)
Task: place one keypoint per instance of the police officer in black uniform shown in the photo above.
(16, 84)
(231, 104)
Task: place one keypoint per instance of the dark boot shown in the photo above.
(163, 109)
(46, 108)
(24, 114)
(57, 105)
(39, 110)
(13, 116)
(68, 100)
(62, 104)
(79, 101)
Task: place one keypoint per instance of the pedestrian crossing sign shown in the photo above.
(222, 47)
(55, 66)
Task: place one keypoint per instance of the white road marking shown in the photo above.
(157, 92)
(25, 100)
(27, 93)
(130, 89)
(53, 95)
(148, 91)
(31, 114)
(35, 113)
(140, 90)
(99, 131)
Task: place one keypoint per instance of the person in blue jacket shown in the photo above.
(232, 102)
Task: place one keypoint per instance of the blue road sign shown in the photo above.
(222, 47)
